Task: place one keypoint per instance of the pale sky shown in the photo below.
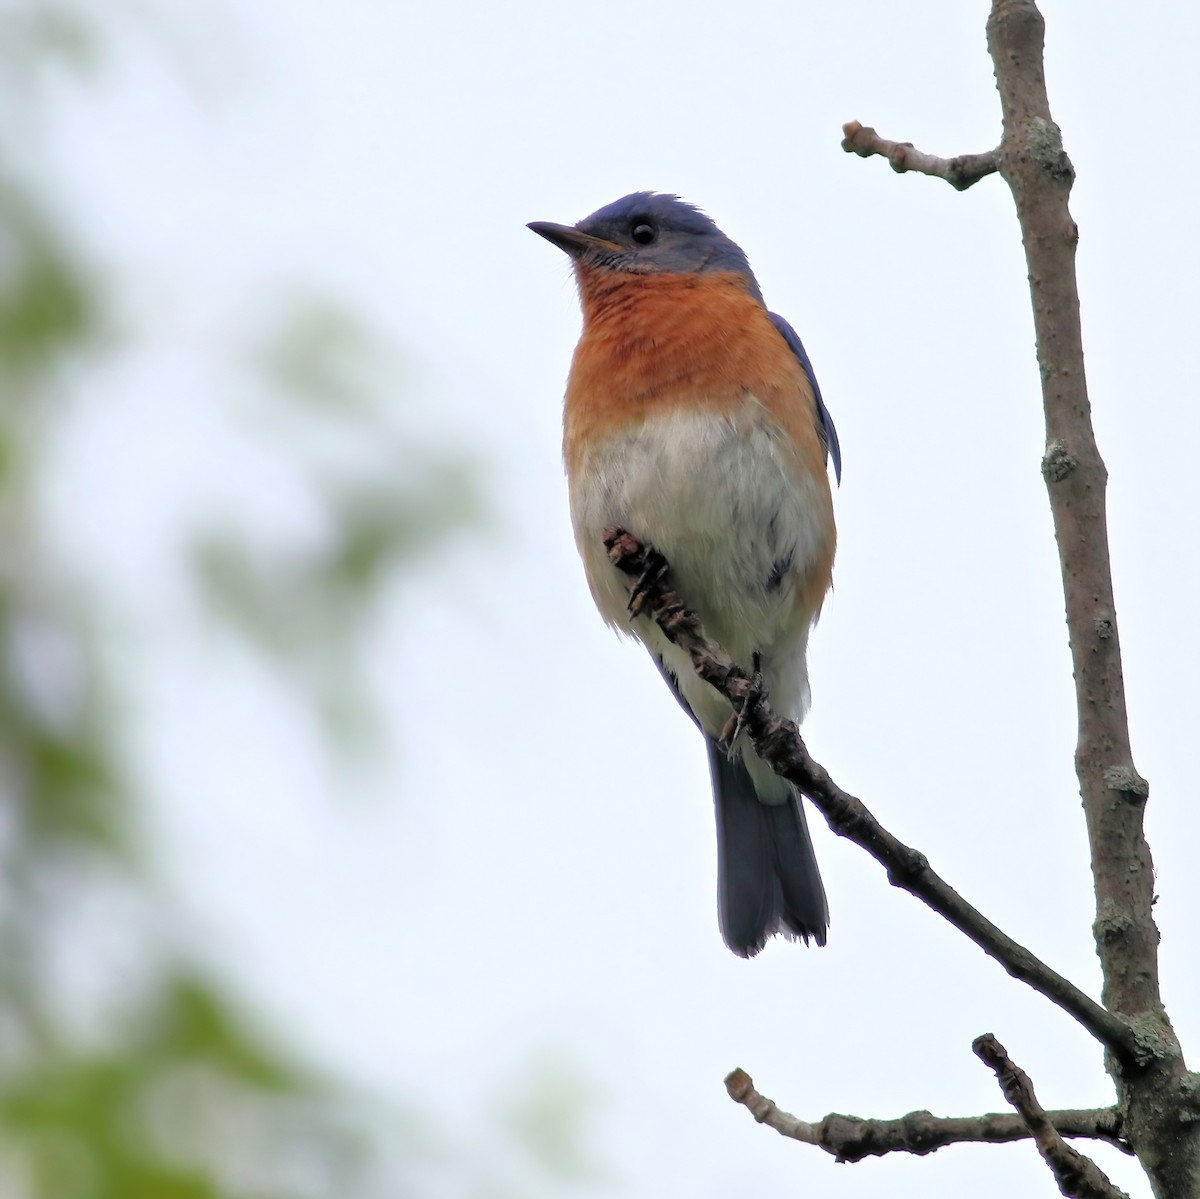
(536, 868)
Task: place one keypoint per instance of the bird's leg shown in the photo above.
(754, 691)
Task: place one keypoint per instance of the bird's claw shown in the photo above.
(736, 724)
(729, 734)
(653, 572)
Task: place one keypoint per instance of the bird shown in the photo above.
(692, 420)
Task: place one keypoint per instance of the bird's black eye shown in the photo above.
(642, 233)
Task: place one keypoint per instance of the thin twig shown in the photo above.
(851, 1138)
(778, 742)
(1078, 1177)
(960, 172)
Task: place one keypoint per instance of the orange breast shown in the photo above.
(652, 342)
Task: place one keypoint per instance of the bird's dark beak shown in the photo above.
(572, 241)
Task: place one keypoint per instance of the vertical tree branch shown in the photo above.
(1037, 169)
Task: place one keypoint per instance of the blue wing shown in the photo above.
(829, 437)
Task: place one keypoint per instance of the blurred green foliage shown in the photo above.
(149, 1079)
(549, 1113)
(180, 1105)
(35, 37)
(180, 1095)
(327, 391)
(46, 303)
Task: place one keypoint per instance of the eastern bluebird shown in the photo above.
(694, 421)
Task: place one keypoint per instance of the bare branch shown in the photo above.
(1160, 1097)
(1078, 1177)
(778, 742)
(851, 1138)
(1037, 169)
(960, 172)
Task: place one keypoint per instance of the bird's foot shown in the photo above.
(753, 692)
(654, 571)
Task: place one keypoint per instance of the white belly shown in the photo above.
(738, 529)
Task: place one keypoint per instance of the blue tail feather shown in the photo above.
(767, 875)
